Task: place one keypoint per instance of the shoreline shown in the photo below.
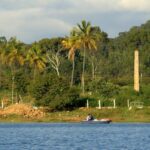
(117, 115)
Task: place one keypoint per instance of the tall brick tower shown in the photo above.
(136, 71)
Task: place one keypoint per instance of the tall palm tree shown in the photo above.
(71, 43)
(36, 59)
(88, 41)
(14, 58)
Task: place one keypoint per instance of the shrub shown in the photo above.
(103, 88)
(21, 82)
(55, 93)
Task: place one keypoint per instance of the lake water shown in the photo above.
(74, 136)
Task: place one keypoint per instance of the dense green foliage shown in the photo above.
(97, 65)
(55, 93)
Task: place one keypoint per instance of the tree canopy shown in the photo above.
(96, 64)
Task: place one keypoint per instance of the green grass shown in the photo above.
(117, 115)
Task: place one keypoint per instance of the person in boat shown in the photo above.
(90, 117)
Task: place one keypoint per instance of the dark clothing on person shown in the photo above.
(90, 117)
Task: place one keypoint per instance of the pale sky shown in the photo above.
(32, 20)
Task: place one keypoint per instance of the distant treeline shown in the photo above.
(61, 72)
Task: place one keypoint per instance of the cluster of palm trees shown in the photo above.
(15, 54)
(84, 37)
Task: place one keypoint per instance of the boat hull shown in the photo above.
(97, 121)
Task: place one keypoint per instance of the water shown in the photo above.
(74, 136)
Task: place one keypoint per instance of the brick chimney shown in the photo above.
(136, 71)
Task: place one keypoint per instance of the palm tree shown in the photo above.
(88, 41)
(14, 58)
(36, 59)
(72, 44)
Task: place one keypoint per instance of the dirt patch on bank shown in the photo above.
(23, 109)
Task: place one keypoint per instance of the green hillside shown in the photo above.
(62, 73)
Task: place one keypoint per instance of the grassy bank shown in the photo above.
(117, 115)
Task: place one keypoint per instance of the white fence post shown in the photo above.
(99, 104)
(87, 104)
(114, 103)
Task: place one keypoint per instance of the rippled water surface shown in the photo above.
(74, 136)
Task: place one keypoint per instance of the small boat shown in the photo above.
(101, 121)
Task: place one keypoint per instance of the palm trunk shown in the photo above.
(72, 75)
(12, 90)
(83, 82)
(13, 83)
(93, 70)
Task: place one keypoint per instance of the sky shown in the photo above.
(32, 20)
